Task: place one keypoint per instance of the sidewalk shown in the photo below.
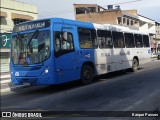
(4, 68)
(5, 79)
(6, 85)
(5, 75)
(154, 59)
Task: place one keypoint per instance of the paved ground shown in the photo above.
(5, 78)
(138, 91)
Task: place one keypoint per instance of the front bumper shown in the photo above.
(39, 80)
(16, 88)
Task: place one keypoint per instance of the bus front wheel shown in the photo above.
(134, 65)
(86, 74)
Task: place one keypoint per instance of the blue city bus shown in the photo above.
(56, 50)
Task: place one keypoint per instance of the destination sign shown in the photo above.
(32, 25)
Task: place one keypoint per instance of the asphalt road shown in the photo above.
(139, 91)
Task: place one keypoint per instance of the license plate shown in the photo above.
(25, 83)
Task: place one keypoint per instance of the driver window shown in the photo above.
(57, 42)
(63, 41)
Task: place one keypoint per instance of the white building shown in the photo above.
(12, 12)
(148, 25)
(157, 37)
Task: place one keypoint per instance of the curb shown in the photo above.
(5, 90)
(5, 76)
(5, 81)
(14, 88)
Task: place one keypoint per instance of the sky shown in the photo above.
(65, 9)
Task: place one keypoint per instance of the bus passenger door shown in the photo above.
(64, 52)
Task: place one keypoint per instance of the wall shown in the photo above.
(11, 9)
(148, 26)
(101, 17)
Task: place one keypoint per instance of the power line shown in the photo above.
(68, 11)
(127, 2)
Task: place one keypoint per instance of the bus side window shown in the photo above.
(67, 41)
(146, 41)
(63, 43)
(129, 40)
(118, 39)
(105, 39)
(87, 38)
(57, 46)
(138, 40)
(70, 40)
(94, 39)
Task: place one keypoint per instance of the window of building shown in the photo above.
(104, 39)
(138, 40)
(118, 39)
(80, 10)
(124, 20)
(3, 21)
(136, 22)
(146, 41)
(87, 38)
(132, 22)
(91, 9)
(129, 40)
(119, 21)
(127, 21)
(17, 21)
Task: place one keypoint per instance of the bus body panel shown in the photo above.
(65, 66)
(143, 54)
(68, 66)
(33, 74)
(104, 61)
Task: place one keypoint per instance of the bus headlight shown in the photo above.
(12, 73)
(45, 71)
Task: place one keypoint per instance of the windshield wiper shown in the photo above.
(35, 34)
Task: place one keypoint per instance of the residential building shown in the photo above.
(148, 25)
(97, 14)
(114, 15)
(157, 37)
(12, 12)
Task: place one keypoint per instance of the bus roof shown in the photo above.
(86, 25)
(73, 22)
(97, 26)
(118, 28)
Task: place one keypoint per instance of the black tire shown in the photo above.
(135, 65)
(87, 75)
(158, 57)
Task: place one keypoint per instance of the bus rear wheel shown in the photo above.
(87, 74)
(134, 65)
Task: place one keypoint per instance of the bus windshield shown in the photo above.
(31, 48)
